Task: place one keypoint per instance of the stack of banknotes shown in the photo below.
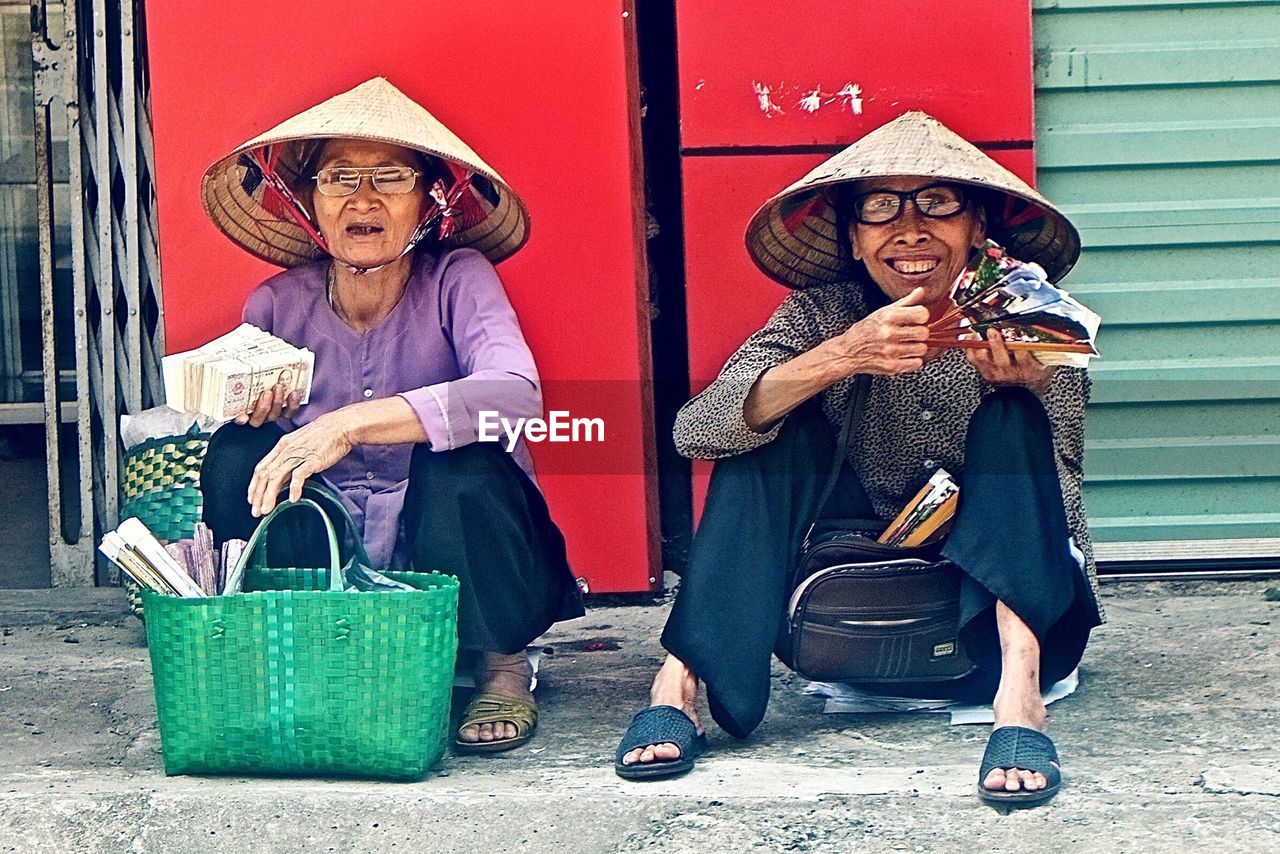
(226, 376)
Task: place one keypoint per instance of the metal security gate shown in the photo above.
(101, 336)
(1158, 130)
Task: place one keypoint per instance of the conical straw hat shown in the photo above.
(792, 237)
(374, 110)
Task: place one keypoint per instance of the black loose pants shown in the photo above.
(1009, 537)
(471, 512)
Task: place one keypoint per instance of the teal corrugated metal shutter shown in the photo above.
(1158, 130)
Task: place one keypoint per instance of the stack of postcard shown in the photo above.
(137, 552)
(1015, 298)
(927, 516)
(227, 376)
(189, 568)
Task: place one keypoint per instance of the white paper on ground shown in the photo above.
(466, 680)
(846, 699)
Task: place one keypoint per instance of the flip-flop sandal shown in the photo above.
(1019, 747)
(496, 708)
(660, 725)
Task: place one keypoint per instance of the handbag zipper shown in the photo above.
(808, 582)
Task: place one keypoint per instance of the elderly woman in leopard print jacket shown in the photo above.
(871, 241)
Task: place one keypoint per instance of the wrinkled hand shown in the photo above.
(1002, 366)
(308, 450)
(272, 404)
(888, 341)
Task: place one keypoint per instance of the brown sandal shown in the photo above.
(487, 708)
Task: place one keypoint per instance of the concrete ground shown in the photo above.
(1169, 745)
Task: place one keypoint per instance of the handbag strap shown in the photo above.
(853, 415)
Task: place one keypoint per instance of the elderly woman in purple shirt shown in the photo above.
(413, 338)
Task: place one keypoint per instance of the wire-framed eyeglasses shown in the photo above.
(345, 180)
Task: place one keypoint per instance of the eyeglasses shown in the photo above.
(345, 180)
(937, 201)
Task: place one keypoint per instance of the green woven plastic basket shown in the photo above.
(297, 677)
(162, 489)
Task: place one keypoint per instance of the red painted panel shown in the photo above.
(554, 120)
(968, 62)
(727, 297)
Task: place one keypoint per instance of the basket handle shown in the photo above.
(327, 497)
(258, 541)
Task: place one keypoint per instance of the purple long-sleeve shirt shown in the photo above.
(451, 347)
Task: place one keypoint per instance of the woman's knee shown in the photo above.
(1009, 404)
(233, 444)
(803, 446)
(234, 450)
(480, 469)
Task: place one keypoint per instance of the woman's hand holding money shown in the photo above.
(272, 404)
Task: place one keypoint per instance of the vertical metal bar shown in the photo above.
(107, 404)
(72, 562)
(53, 456)
(149, 244)
(127, 148)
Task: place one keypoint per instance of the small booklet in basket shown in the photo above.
(927, 516)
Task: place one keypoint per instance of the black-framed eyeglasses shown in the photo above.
(345, 180)
(937, 201)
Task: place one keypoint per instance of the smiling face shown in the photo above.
(368, 228)
(914, 250)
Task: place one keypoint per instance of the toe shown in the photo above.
(1012, 780)
(468, 734)
(486, 732)
(631, 757)
(995, 779)
(666, 752)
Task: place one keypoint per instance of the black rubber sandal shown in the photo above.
(660, 725)
(1019, 747)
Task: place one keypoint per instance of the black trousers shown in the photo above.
(471, 512)
(1009, 538)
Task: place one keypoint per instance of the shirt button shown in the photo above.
(369, 475)
(368, 392)
(930, 464)
(926, 415)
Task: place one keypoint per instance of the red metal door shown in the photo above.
(555, 119)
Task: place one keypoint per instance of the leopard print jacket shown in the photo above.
(914, 423)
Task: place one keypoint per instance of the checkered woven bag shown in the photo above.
(162, 488)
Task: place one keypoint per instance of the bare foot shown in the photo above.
(507, 676)
(1017, 702)
(675, 685)
(1023, 708)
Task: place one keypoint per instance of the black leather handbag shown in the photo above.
(860, 611)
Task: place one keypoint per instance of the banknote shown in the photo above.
(224, 377)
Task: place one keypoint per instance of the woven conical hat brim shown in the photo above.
(374, 110)
(792, 237)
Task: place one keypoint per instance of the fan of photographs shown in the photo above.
(1015, 298)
